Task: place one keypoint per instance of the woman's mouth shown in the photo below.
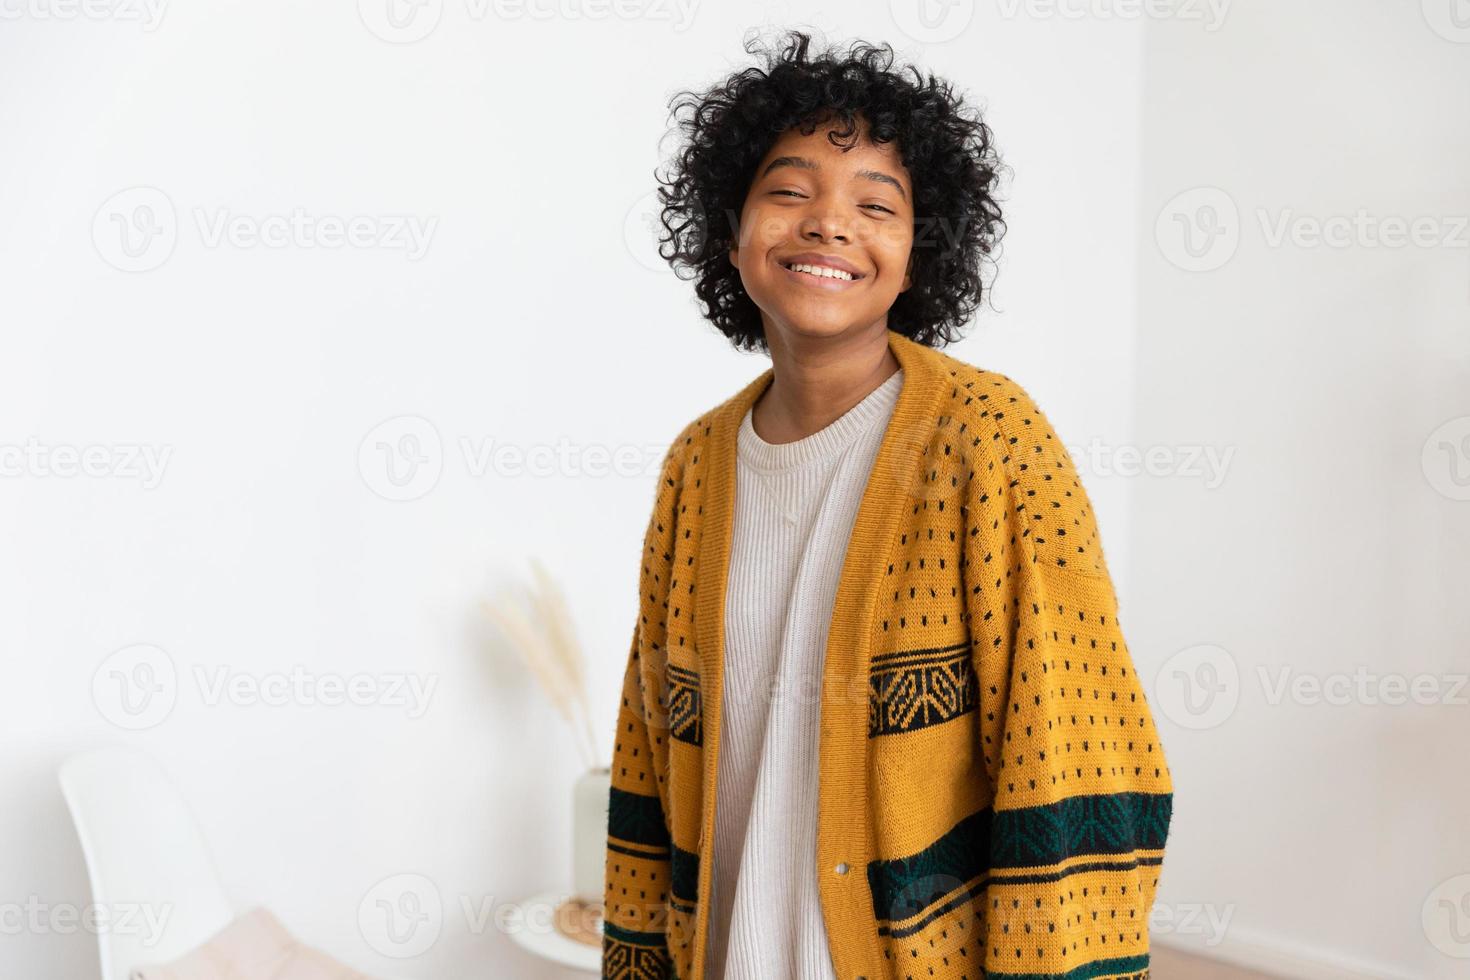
(819, 276)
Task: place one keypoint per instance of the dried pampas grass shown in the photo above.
(539, 626)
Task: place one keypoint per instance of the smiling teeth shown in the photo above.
(822, 270)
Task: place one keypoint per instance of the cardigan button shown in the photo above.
(842, 870)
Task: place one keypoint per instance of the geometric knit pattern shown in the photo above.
(994, 798)
(916, 688)
(683, 705)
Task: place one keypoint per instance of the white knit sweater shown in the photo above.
(795, 503)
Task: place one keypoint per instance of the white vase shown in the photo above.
(590, 795)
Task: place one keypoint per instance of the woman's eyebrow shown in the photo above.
(803, 163)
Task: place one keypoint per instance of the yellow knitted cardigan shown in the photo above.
(993, 797)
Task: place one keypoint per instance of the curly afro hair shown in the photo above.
(946, 147)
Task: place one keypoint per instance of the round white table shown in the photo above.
(536, 934)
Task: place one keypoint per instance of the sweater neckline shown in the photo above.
(838, 434)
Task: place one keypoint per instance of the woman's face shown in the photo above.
(849, 209)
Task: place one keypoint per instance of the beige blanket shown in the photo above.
(255, 946)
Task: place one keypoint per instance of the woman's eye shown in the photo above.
(792, 193)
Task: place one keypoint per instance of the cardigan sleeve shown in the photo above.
(639, 853)
(1080, 794)
(635, 907)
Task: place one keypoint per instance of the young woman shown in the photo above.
(878, 717)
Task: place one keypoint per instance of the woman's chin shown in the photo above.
(816, 328)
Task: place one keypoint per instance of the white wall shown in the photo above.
(528, 320)
(1329, 836)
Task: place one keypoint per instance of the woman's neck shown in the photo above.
(817, 380)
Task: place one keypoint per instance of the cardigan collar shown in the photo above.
(913, 357)
(896, 473)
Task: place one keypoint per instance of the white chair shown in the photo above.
(143, 849)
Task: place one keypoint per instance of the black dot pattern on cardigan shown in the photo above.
(638, 869)
(1002, 559)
